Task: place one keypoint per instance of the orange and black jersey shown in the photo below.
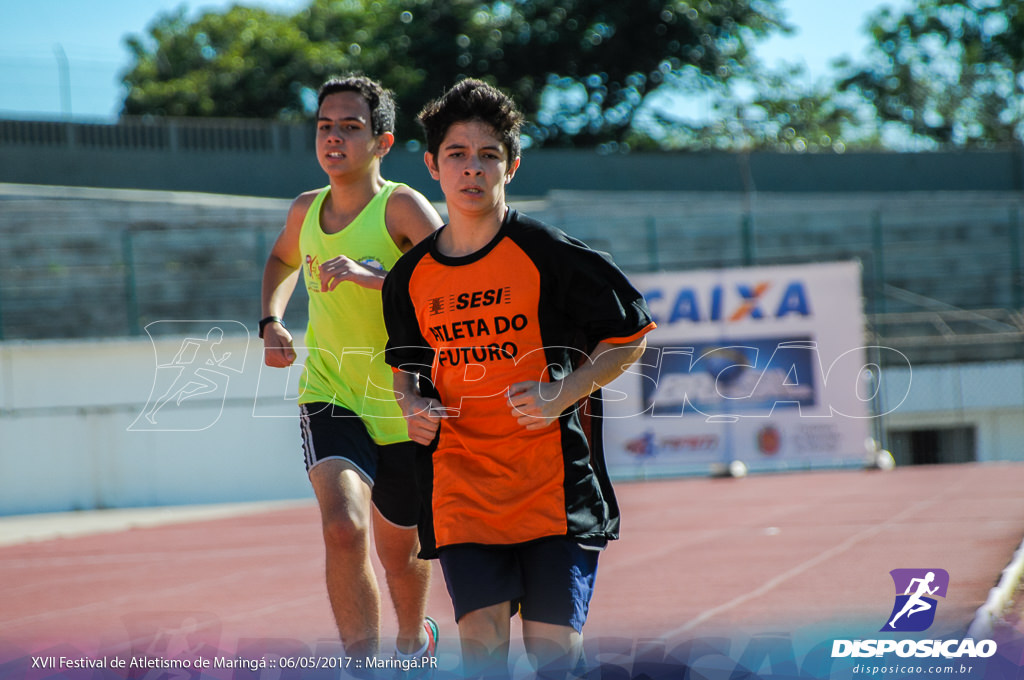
(530, 305)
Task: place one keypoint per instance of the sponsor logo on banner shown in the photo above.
(741, 301)
(769, 440)
(752, 375)
(648, 444)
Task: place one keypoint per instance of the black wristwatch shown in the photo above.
(269, 319)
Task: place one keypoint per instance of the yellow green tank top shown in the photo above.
(346, 334)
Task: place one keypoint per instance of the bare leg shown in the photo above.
(555, 650)
(408, 579)
(344, 497)
(484, 635)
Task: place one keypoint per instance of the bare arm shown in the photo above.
(410, 218)
(538, 404)
(416, 409)
(343, 268)
(280, 274)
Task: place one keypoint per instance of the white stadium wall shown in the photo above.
(985, 397)
(73, 433)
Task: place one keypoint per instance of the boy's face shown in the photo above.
(473, 167)
(344, 135)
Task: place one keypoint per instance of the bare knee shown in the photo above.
(484, 637)
(345, 530)
(344, 498)
(555, 650)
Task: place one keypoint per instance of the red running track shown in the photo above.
(799, 554)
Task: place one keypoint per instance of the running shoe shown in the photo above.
(423, 663)
(432, 634)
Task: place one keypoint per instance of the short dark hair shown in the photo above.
(380, 99)
(470, 100)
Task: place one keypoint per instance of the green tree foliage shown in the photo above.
(581, 69)
(584, 69)
(244, 63)
(947, 73)
(778, 110)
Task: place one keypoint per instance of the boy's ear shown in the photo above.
(385, 141)
(431, 162)
(512, 170)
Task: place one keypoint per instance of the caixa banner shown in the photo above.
(764, 365)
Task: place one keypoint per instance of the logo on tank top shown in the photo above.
(313, 273)
(373, 263)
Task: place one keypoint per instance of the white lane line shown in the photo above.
(773, 583)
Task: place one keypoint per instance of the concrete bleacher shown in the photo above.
(942, 277)
(958, 249)
(80, 262)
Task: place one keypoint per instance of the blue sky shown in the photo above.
(37, 35)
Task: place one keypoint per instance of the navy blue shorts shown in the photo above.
(547, 581)
(331, 432)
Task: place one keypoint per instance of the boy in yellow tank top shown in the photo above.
(342, 240)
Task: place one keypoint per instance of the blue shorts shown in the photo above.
(331, 432)
(548, 581)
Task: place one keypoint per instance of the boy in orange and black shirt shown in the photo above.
(513, 323)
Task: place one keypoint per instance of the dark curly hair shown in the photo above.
(380, 99)
(470, 100)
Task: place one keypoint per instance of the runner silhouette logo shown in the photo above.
(916, 590)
